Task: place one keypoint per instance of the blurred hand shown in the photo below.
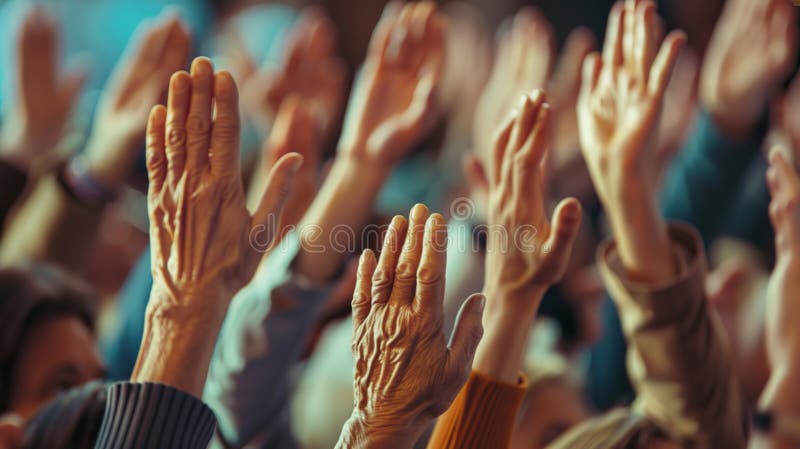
(395, 101)
(564, 88)
(45, 97)
(525, 58)
(525, 254)
(753, 47)
(310, 70)
(783, 309)
(785, 121)
(138, 82)
(406, 374)
(618, 113)
(293, 131)
(680, 101)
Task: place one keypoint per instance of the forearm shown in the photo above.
(177, 345)
(344, 204)
(506, 328)
(640, 231)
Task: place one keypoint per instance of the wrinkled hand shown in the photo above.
(46, 98)
(783, 309)
(619, 108)
(406, 374)
(524, 61)
(138, 82)
(733, 87)
(395, 100)
(530, 255)
(205, 243)
(310, 70)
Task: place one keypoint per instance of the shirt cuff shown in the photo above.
(146, 415)
(668, 298)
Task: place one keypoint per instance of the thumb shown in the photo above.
(467, 331)
(566, 222)
(279, 184)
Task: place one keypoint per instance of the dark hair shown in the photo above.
(30, 295)
(70, 421)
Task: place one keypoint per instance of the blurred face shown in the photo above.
(550, 410)
(59, 353)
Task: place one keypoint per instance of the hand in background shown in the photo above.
(406, 374)
(293, 131)
(618, 113)
(395, 101)
(753, 47)
(525, 254)
(785, 120)
(524, 61)
(38, 119)
(138, 82)
(783, 309)
(564, 88)
(205, 244)
(310, 70)
(393, 105)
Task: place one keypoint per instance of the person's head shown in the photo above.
(46, 339)
(71, 421)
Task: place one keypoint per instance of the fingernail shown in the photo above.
(180, 82)
(481, 304)
(200, 67)
(297, 164)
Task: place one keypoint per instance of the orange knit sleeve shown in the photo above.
(481, 417)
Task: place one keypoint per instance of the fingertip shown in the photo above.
(224, 84)
(477, 303)
(179, 81)
(158, 115)
(202, 67)
(572, 209)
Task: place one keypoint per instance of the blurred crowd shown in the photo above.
(367, 224)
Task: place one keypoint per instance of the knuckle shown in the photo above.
(196, 124)
(428, 274)
(360, 299)
(405, 272)
(226, 131)
(176, 137)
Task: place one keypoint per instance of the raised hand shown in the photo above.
(46, 98)
(564, 88)
(138, 82)
(205, 244)
(525, 254)
(618, 113)
(395, 100)
(310, 70)
(524, 61)
(292, 132)
(406, 373)
(733, 87)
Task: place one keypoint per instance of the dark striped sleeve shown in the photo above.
(150, 415)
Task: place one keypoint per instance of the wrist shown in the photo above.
(177, 344)
(507, 322)
(357, 433)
